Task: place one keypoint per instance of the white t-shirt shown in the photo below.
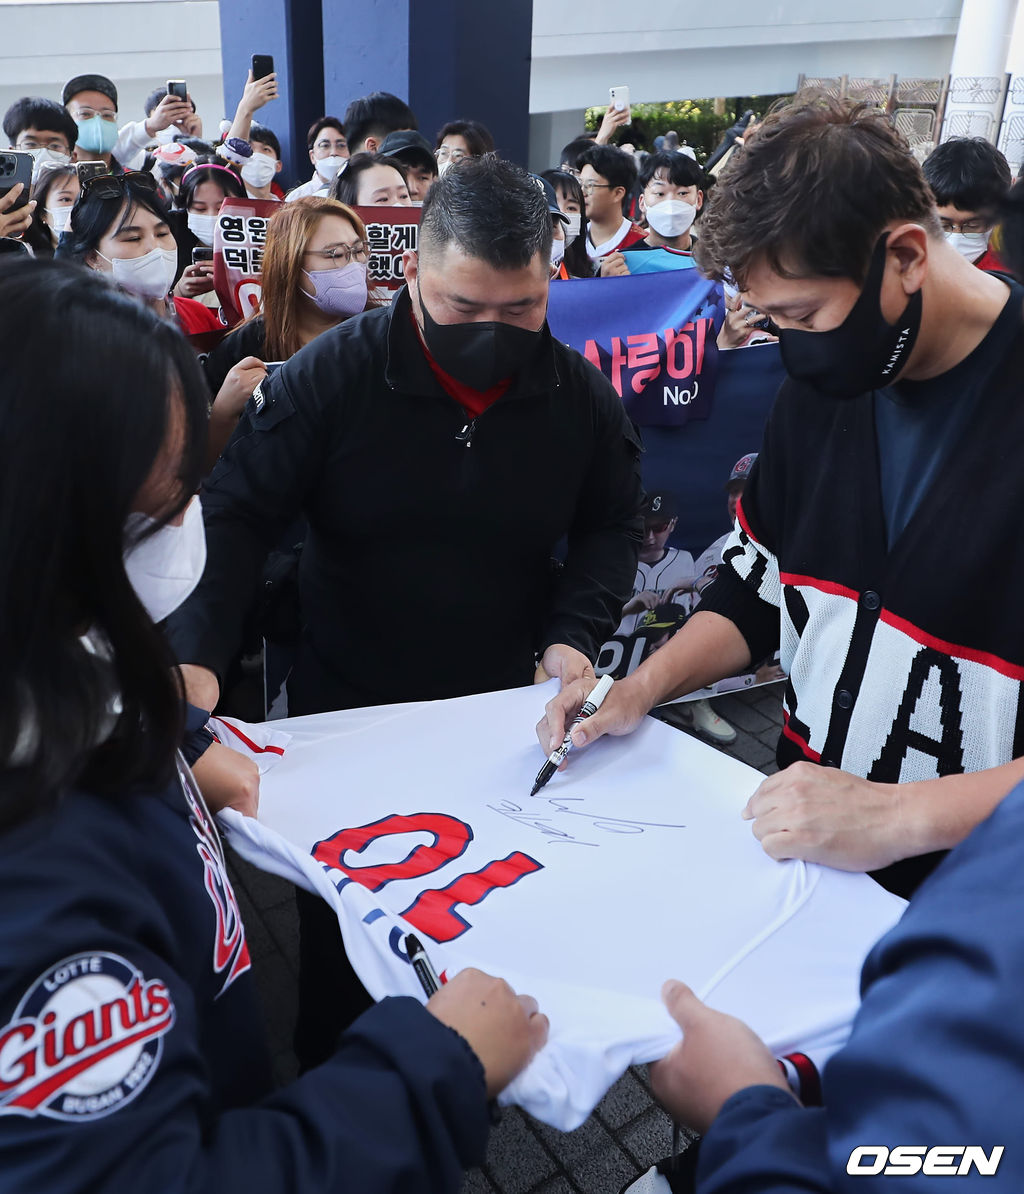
(608, 246)
(315, 186)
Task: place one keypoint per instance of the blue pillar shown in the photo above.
(291, 31)
(449, 59)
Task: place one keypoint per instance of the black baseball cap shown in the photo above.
(551, 197)
(660, 505)
(410, 147)
(98, 83)
(741, 469)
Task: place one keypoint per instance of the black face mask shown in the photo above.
(478, 354)
(864, 353)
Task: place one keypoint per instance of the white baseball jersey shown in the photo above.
(674, 566)
(631, 866)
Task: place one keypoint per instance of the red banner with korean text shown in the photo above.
(240, 237)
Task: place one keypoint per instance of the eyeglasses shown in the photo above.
(89, 113)
(657, 528)
(588, 188)
(343, 253)
(444, 154)
(969, 226)
(115, 186)
(57, 145)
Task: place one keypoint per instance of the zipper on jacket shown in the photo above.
(465, 436)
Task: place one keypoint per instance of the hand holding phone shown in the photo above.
(618, 101)
(15, 167)
(178, 88)
(262, 65)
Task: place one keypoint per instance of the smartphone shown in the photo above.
(16, 167)
(262, 65)
(177, 87)
(201, 254)
(618, 98)
(91, 170)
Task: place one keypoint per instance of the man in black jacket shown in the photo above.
(440, 450)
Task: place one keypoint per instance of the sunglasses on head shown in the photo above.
(115, 186)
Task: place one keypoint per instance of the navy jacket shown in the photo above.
(131, 1056)
(936, 1056)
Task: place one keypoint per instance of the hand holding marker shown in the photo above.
(557, 756)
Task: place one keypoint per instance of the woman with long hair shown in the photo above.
(203, 188)
(575, 263)
(133, 1056)
(313, 278)
(55, 190)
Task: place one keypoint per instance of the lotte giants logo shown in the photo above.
(86, 1038)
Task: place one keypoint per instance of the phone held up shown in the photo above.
(262, 65)
(177, 88)
(201, 255)
(618, 98)
(15, 167)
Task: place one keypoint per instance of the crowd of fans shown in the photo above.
(329, 416)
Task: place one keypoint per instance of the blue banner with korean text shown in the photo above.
(652, 336)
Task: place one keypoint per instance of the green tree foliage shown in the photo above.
(694, 120)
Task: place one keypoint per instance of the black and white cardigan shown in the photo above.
(904, 663)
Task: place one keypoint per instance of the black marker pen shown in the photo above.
(557, 756)
(425, 972)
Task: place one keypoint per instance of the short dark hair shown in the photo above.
(614, 164)
(570, 155)
(92, 217)
(811, 192)
(260, 132)
(377, 115)
(156, 97)
(491, 209)
(317, 127)
(476, 135)
(345, 187)
(968, 173)
(681, 169)
(34, 112)
(112, 390)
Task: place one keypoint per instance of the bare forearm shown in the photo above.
(241, 125)
(938, 814)
(708, 648)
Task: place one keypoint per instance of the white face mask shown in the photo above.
(60, 217)
(572, 229)
(147, 277)
(971, 245)
(166, 567)
(330, 168)
(259, 170)
(671, 217)
(202, 227)
(557, 251)
(42, 158)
